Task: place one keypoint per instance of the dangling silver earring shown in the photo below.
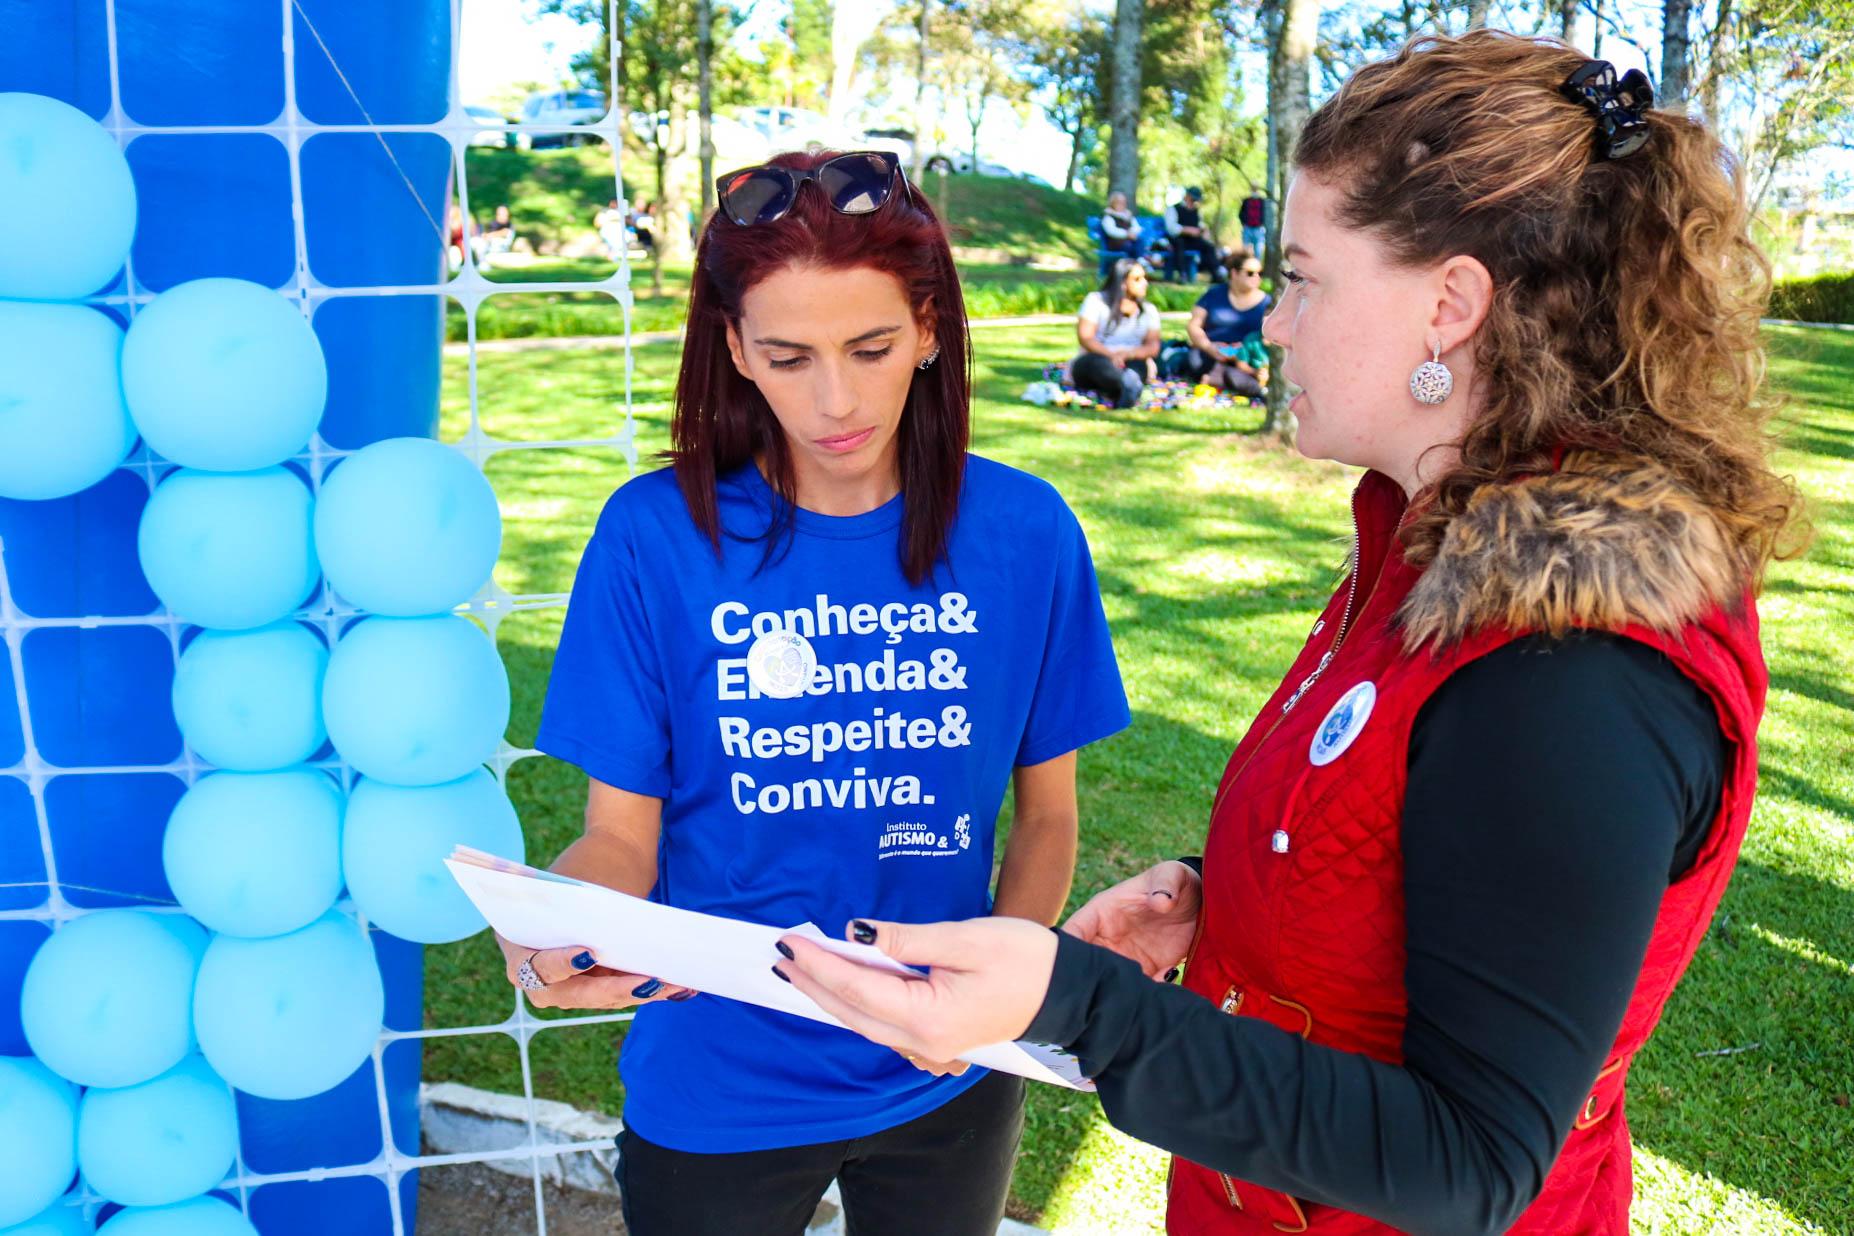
(931, 358)
(1432, 382)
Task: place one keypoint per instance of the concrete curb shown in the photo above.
(458, 1119)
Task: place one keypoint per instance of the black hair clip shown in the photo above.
(1619, 105)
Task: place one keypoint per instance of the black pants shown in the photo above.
(1098, 375)
(942, 1174)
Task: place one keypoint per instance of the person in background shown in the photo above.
(644, 223)
(1224, 321)
(1120, 231)
(1253, 215)
(498, 238)
(609, 224)
(1192, 247)
(1119, 335)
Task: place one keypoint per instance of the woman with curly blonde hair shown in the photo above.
(1459, 863)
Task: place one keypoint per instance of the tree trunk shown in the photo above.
(1123, 147)
(920, 96)
(1290, 96)
(1672, 92)
(843, 44)
(1075, 147)
(1477, 13)
(1715, 54)
(673, 210)
(1596, 28)
(1567, 20)
(705, 60)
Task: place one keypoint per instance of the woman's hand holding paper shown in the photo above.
(986, 980)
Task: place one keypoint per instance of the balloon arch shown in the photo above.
(244, 709)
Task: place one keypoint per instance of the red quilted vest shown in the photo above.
(1303, 876)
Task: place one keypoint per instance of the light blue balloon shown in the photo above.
(407, 527)
(290, 1016)
(252, 700)
(67, 201)
(395, 842)
(64, 1217)
(256, 854)
(161, 1142)
(415, 701)
(63, 426)
(224, 375)
(200, 1216)
(230, 552)
(38, 1137)
(107, 998)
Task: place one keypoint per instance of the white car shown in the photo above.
(562, 108)
(494, 125)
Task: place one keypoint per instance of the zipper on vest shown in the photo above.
(1232, 1001)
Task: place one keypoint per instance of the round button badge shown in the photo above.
(781, 664)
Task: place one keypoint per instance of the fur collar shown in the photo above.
(1603, 543)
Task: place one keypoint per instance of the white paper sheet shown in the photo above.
(718, 956)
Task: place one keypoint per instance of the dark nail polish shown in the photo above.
(864, 933)
(680, 996)
(781, 973)
(1170, 975)
(583, 961)
(647, 989)
(785, 950)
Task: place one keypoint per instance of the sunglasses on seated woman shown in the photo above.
(854, 184)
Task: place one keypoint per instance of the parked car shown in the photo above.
(961, 161)
(494, 124)
(562, 108)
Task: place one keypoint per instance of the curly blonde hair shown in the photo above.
(1627, 292)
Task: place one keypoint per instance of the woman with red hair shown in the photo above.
(800, 667)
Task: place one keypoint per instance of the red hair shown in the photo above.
(721, 421)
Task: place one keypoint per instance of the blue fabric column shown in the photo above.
(221, 204)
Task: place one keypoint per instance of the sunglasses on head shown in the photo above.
(854, 184)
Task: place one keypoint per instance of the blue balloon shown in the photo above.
(63, 426)
(107, 998)
(229, 552)
(64, 1217)
(256, 854)
(38, 1137)
(200, 1216)
(415, 701)
(407, 527)
(290, 1016)
(396, 839)
(161, 1142)
(252, 700)
(67, 201)
(224, 375)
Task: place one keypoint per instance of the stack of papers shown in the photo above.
(717, 956)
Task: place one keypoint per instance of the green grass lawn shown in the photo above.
(1214, 553)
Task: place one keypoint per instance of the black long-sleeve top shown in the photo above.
(1555, 789)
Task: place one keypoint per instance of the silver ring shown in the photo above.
(525, 975)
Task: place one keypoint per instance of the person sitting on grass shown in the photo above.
(1224, 318)
(1119, 335)
(1120, 229)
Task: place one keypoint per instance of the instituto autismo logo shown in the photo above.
(913, 839)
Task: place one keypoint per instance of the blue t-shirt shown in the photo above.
(1224, 322)
(874, 793)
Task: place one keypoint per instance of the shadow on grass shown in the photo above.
(1774, 978)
